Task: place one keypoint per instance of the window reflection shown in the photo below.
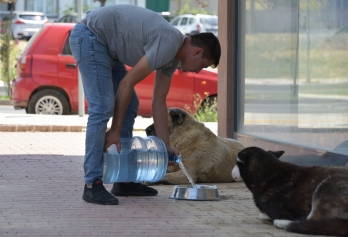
(293, 85)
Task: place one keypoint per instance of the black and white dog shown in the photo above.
(307, 200)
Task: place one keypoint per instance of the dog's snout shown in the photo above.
(235, 174)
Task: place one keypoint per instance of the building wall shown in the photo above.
(62, 6)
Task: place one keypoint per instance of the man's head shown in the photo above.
(202, 50)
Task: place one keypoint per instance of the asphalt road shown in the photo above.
(8, 109)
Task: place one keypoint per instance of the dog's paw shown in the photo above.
(264, 217)
(282, 224)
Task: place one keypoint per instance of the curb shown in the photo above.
(5, 102)
(47, 128)
(41, 128)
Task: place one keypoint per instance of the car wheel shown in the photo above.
(48, 102)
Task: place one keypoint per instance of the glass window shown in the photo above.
(49, 7)
(209, 21)
(32, 17)
(174, 23)
(183, 21)
(293, 74)
(66, 49)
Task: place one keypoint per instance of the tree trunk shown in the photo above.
(9, 38)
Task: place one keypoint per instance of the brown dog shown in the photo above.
(207, 157)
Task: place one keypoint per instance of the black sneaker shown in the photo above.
(98, 194)
(132, 189)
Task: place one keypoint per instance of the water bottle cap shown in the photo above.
(172, 157)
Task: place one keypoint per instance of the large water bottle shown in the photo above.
(140, 159)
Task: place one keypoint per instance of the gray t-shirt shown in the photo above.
(130, 32)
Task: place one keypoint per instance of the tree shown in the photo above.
(199, 10)
(102, 2)
(7, 45)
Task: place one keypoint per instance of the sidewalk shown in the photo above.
(41, 187)
(54, 123)
(62, 123)
(42, 182)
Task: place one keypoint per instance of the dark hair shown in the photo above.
(211, 45)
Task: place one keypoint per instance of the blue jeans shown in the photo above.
(101, 76)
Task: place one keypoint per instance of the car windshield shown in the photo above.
(32, 17)
(209, 21)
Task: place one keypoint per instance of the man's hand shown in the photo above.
(112, 137)
(172, 150)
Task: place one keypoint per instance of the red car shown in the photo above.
(46, 79)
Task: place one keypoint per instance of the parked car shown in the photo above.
(25, 24)
(72, 18)
(68, 18)
(46, 78)
(189, 24)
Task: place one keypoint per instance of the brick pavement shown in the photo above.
(41, 187)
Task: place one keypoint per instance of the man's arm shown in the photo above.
(159, 109)
(123, 96)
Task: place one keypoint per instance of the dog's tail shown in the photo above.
(328, 226)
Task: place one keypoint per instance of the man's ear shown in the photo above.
(198, 51)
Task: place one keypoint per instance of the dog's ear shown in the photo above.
(244, 156)
(177, 115)
(277, 154)
(150, 130)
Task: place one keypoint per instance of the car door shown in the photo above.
(144, 90)
(68, 74)
(181, 89)
(180, 93)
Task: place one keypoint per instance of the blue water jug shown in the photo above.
(140, 159)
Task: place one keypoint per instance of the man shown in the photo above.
(106, 40)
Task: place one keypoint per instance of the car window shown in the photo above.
(63, 19)
(32, 17)
(192, 20)
(32, 39)
(183, 21)
(66, 49)
(67, 19)
(209, 21)
(174, 23)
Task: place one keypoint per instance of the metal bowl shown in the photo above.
(199, 193)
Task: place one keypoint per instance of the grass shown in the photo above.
(273, 56)
(4, 97)
(206, 109)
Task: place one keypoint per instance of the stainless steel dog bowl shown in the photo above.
(200, 193)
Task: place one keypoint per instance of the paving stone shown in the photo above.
(41, 187)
